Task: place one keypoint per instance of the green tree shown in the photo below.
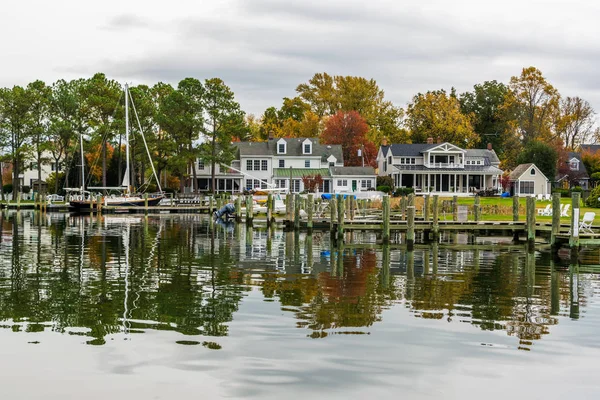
(543, 155)
(14, 120)
(224, 120)
(438, 115)
(37, 128)
(164, 145)
(490, 121)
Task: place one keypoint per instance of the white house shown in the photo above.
(528, 180)
(281, 164)
(440, 167)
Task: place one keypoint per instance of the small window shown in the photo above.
(281, 148)
(281, 163)
(257, 165)
(263, 185)
(256, 184)
(390, 160)
(263, 165)
(331, 164)
(526, 187)
(574, 165)
(200, 165)
(307, 164)
(249, 165)
(401, 160)
(413, 160)
(385, 165)
(248, 184)
(307, 148)
(532, 172)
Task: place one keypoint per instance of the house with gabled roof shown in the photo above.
(440, 167)
(529, 180)
(574, 173)
(281, 163)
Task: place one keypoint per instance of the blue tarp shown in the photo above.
(329, 196)
(505, 194)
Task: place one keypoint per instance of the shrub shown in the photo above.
(384, 189)
(403, 191)
(592, 200)
(576, 189)
(563, 192)
(25, 189)
(8, 188)
(385, 181)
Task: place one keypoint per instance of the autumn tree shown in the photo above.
(349, 129)
(438, 115)
(312, 182)
(575, 122)
(37, 124)
(533, 102)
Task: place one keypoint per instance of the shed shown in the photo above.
(528, 180)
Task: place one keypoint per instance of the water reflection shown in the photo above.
(96, 277)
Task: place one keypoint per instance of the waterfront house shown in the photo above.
(282, 163)
(528, 180)
(440, 167)
(574, 173)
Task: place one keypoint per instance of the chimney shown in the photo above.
(489, 146)
(439, 140)
(384, 142)
(271, 134)
(429, 140)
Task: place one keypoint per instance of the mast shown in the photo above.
(128, 180)
(82, 163)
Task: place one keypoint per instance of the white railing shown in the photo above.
(445, 165)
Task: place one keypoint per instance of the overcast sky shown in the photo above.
(264, 48)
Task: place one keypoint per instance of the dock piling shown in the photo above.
(555, 218)
(410, 233)
(269, 208)
(309, 211)
(436, 216)
(530, 223)
(297, 205)
(574, 236)
(477, 209)
(341, 217)
(238, 208)
(386, 219)
(455, 208)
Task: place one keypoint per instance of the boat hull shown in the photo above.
(86, 206)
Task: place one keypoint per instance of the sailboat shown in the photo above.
(85, 201)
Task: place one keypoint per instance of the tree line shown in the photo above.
(523, 118)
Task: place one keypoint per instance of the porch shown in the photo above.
(456, 183)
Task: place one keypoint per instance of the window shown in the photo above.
(385, 165)
(526, 187)
(249, 165)
(574, 165)
(281, 183)
(468, 162)
(365, 183)
(430, 159)
(256, 184)
(478, 162)
(307, 148)
(413, 160)
(53, 166)
(342, 182)
(263, 184)
(390, 160)
(296, 185)
(402, 160)
(532, 172)
(281, 163)
(307, 164)
(200, 165)
(248, 184)
(257, 165)
(281, 148)
(263, 165)
(331, 164)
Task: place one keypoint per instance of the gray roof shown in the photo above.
(593, 148)
(358, 171)
(489, 169)
(520, 170)
(581, 173)
(294, 148)
(417, 149)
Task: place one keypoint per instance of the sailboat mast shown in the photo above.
(82, 163)
(127, 137)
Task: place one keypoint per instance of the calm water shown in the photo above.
(167, 308)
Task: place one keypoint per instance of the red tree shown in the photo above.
(349, 129)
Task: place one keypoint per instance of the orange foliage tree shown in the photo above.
(349, 129)
(93, 158)
(312, 182)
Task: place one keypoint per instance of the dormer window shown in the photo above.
(574, 165)
(307, 147)
(532, 172)
(281, 146)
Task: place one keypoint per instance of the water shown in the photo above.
(166, 307)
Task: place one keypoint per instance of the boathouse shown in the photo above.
(440, 168)
(529, 180)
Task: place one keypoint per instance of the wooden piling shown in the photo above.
(249, 209)
(145, 204)
(269, 208)
(515, 209)
(297, 205)
(403, 207)
(386, 219)
(333, 215)
(309, 211)
(426, 208)
(477, 209)
(436, 216)
(410, 232)
(555, 218)
(455, 208)
(530, 223)
(238, 208)
(341, 217)
(574, 236)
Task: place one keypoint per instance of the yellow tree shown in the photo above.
(438, 115)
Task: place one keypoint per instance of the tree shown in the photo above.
(164, 145)
(437, 115)
(224, 120)
(37, 127)
(312, 182)
(14, 119)
(103, 97)
(543, 155)
(575, 122)
(349, 129)
(490, 121)
(533, 102)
